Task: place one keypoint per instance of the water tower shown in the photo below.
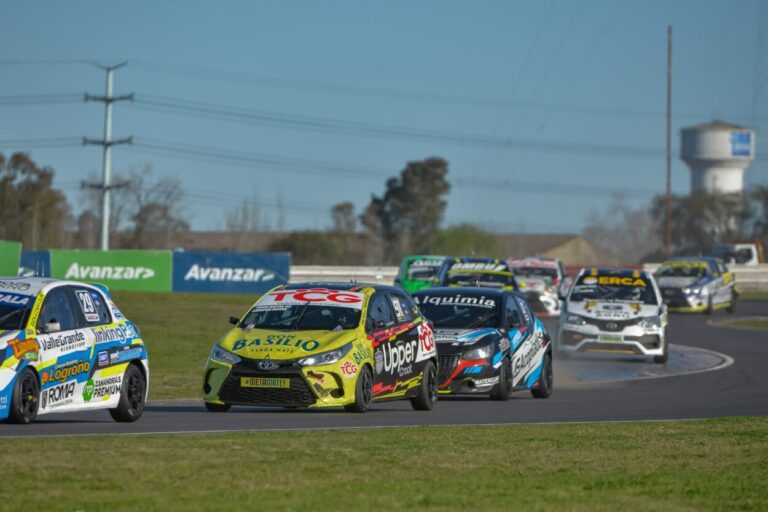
(717, 154)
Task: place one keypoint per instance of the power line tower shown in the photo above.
(106, 185)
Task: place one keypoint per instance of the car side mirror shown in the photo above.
(234, 320)
(52, 327)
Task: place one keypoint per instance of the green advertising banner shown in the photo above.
(10, 257)
(146, 271)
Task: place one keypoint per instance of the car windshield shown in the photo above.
(12, 316)
(458, 312)
(423, 270)
(536, 272)
(682, 271)
(480, 279)
(311, 309)
(613, 289)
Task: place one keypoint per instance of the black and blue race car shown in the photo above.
(489, 341)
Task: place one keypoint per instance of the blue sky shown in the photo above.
(581, 79)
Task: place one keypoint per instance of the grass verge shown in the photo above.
(179, 330)
(753, 296)
(758, 323)
(686, 465)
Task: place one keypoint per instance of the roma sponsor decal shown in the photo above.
(57, 395)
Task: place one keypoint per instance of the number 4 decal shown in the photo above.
(87, 305)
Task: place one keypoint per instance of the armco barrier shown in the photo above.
(146, 271)
(229, 272)
(10, 254)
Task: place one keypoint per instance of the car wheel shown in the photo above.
(211, 407)
(131, 404)
(501, 390)
(25, 399)
(665, 353)
(546, 379)
(427, 396)
(363, 391)
(732, 304)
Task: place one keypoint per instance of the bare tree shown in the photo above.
(343, 217)
(242, 222)
(625, 232)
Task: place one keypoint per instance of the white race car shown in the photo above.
(541, 281)
(614, 310)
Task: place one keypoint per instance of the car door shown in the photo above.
(413, 331)
(528, 351)
(65, 350)
(392, 355)
(727, 282)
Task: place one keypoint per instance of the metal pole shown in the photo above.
(107, 165)
(669, 142)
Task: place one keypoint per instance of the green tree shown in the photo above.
(701, 220)
(32, 211)
(409, 213)
(465, 240)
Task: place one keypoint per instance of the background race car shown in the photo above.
(325, 345)
(541, 281)
(421, 272)
(481, 272)
(614, 311)
(488, 341)
(66, 347)
(697, 284)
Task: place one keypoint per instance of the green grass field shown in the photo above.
(687, 465)
(759, 324)
(179, 330)
(754, 296)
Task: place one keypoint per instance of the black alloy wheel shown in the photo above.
(25, 400)
(546, 379)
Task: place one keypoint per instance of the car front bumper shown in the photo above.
(632, 340)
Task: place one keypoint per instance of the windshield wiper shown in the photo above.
(301, 315)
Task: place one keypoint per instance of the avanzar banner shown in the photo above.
(146, 271)
(229, 272)
(35, 263)
(10, 254)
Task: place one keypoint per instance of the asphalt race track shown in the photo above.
(729, 377)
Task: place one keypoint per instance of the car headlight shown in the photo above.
(575, 320)
(696, 290)
(219, 354)
(483, 352)
(330, 357)
(650, 323)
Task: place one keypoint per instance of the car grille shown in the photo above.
(446, 365)
(674, 297)
(298, 394)
(612, 325)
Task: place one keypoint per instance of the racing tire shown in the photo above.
(211, 407)
(662, 359)
(546, 379)
(731, 309)
(132, 394)
(25, 400)
(502, 390)
(363, 392)
(427, 396)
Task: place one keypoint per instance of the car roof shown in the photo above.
(465, 290)
(34, 285)
(350, 286)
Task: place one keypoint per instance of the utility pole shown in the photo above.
(107, 143)
(669, 142)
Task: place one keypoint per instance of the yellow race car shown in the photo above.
(324, 345)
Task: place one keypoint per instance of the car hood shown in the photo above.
(264, 343)
(462, 336)
(681, 282)
(612, 310)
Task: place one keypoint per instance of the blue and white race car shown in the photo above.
(64, 346)
(697, 284)
(489, 341)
